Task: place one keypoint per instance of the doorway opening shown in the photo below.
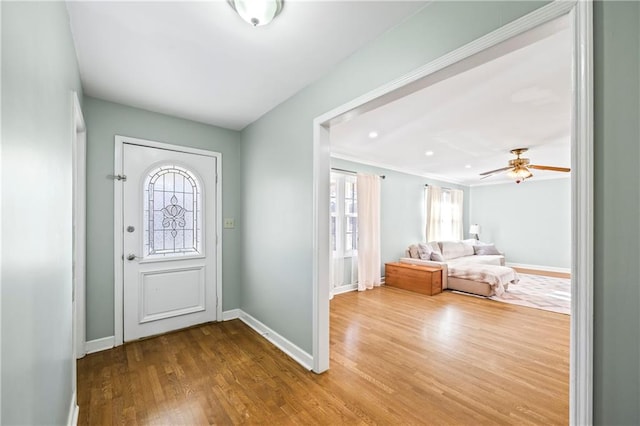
(579, 16)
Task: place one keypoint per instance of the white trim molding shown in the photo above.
(539, 267)
(231, 314)
(79, 152)
(582, 228)
(298, 355)
(74, 410)
(580, 14)
(344, 289)
(118, 227)
(99, 345)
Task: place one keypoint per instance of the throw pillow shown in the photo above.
(424, 251)
(485, 250)
(437, 257)
(413, 252)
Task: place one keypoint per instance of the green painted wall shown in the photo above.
(277, 155)
(402, 201)
(281, 280)
(39, 73)
(104, 121)
(617, 213)
(530, 222)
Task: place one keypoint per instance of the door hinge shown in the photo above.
(216, 178)
(118, 177)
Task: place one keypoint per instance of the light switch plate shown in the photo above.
(229, 223)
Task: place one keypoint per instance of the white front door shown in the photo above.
(169, 241)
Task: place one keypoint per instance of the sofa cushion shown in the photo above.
(455, 249)
(485, 249)
(483, 259)
(436, 256)
(424, 251)
(435, 246)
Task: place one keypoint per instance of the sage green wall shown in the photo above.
(530, 222)
(281, 280)
(39, 73)
(617, 213)
(277, 155)
(104, 121)
(402, 210)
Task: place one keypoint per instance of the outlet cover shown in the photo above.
(229, 223)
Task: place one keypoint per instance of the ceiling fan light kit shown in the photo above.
(518, 168)
(257, 12)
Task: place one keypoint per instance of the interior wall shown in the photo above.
(617, 213)
(530, 221)
(105, 120)
(402, 210)
(282, 281)
(277, 155)
(39, 73)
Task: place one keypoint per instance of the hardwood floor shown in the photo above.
(396, 358)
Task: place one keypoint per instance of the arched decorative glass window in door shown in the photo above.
(172, 212)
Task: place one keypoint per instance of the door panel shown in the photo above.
(169, 240)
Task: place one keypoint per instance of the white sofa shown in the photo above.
(454, 254)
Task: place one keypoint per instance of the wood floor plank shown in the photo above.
(397, 357)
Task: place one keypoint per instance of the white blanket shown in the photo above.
(495, 276)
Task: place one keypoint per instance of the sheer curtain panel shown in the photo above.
(368, 231)
(433, 198)
(444, 213)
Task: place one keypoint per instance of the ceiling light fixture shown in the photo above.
(428, 153)
(373, 135)
(257, 12)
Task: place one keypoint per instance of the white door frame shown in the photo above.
(118, 227)
(581, 347)
(78, 259)
(79, 149)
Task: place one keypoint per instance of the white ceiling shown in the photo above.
(521, 99)
(200, 61)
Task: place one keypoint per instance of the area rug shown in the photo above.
(537, 291)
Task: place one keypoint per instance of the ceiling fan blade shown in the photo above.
(495, 171)
(551, 168)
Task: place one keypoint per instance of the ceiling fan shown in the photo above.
(518, 168)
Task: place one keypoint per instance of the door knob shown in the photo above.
(131, 256)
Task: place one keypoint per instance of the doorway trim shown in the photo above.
(581, 345)
(118, 226)
(79, 155)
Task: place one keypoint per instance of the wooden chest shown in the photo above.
(421, 279)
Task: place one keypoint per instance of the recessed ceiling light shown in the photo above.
(467, 166)
(373, 135)
(428, 153)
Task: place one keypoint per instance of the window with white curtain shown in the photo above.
(444, 213)
(344, 215)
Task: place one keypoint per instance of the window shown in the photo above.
(344, 215)
(172, 212)
(443, 213)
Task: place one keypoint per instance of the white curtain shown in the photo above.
(457, 231)
(368, 231)
(444, 214)
(433, 198)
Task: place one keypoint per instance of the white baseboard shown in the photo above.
(344, 289)
(231, 314)
(298, 355)
(539, 267)
(99, 344)
(74, 410)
